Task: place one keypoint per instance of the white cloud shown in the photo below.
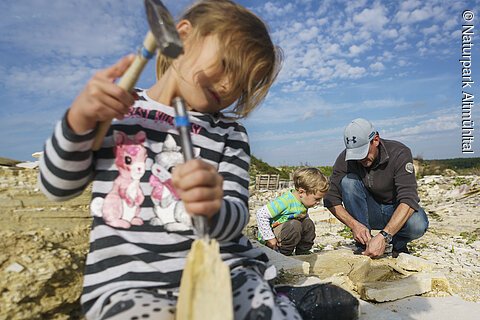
(410, 4)
(72, 29)
(344, 70)
(430, 30)
(402, 46)
(276, 9)
(311, 57)
(356, 50)
(47, 80)
(297, 135)
(348, 37)
(354, 5)
(308, 34)
(390, 33)
(377, 66)
(331, 49)
(372, 19)
(414, 16)
(441, 123)
(294, 86)
(308, 115)
(450, 24)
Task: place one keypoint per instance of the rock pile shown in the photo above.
(44, 245)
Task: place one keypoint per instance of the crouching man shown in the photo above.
(375, 180)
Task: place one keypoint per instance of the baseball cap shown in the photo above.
(357, 137)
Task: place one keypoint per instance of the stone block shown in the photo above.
(412, 263)
(282, 262)
(393, 290)
(360, 271)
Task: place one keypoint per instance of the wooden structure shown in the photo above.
(267, 182)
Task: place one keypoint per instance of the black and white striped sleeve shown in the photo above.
(233, 216)
(66, 166)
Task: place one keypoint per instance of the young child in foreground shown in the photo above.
(141, 232)
(283, 223)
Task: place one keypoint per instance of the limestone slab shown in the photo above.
(282, 262)
(412, 263)
(382, 291)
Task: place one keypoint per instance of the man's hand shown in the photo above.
(200, 187)
(361, 233)
(272, 244)
(375, 247)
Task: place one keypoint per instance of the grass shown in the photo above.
(470, 237)
(346, 232)
(459, 181)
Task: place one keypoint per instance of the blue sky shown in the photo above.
(392, 62)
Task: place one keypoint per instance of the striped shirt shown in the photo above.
(150, 252)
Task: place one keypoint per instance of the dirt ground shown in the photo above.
(43, 248)
(44, 243)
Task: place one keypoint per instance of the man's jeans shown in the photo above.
(362, 206)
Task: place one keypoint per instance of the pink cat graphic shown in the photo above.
(121, 207)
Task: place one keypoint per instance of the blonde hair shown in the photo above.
(251, 60)
(311, 180)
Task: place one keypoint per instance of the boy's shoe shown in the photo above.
(322, 301)
(302, 253)
(396, 252)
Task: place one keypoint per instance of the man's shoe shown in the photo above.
(396, 252)
(359, 248)
(322, 301)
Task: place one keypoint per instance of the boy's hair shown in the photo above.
(251, 61)
(311, 180)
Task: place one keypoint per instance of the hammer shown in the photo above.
(162, 35)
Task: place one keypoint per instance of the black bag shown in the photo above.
(322, 301)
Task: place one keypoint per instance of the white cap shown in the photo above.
(357, 137)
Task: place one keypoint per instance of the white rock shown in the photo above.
(37, 155)
(381, 291)
(15, 267)
(412, 263)
(28, 165)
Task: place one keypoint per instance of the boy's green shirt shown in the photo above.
(284, 208)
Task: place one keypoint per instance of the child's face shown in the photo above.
(202, 82)
(312, 199)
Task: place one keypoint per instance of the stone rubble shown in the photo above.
(44, 245)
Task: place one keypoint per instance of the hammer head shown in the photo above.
(163, 28)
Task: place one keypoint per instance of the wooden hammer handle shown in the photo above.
(128, 81)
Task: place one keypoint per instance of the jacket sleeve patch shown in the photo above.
(409, 167)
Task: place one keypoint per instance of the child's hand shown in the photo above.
(101, 99)
(272, 244)
(200, 187)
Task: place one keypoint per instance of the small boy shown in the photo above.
(283, 224)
